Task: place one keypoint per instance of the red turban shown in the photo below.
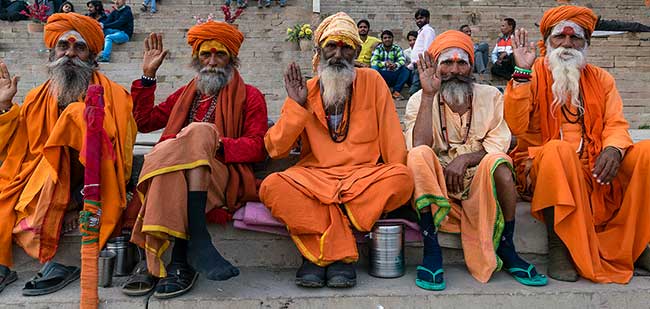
(582, 16)
(450, 39)
(221, 32)
(89, 28)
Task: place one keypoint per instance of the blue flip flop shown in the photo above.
(537, 280)
(432, 286)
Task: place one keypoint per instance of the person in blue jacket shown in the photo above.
(118, 28)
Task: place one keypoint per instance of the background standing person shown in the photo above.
(503, 62)
(368, 45)
(426, 35)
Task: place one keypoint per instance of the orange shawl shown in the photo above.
(38, 156)
(229, 119)
(550, 122)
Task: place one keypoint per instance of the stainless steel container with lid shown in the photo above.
(386, 250)
(127, 255)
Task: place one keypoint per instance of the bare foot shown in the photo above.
(70, 222)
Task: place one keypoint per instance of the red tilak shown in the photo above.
(568, 30)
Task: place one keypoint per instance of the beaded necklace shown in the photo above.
(443, 122)
(339, 133)
(578, 118)
(209, 114)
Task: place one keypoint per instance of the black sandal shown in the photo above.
(51, 278)
(7, 276)
(180, 280)
(140, 282)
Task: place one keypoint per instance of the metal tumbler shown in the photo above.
(106, 264)
(387, 251)
(126, 252)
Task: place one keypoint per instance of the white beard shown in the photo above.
(335, 81)
(211, 80)
(456, 93)
(70, 78)
(565, 65)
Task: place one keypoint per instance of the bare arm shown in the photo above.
(423, 129)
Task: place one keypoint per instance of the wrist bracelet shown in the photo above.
(151, 79)
(518, 69)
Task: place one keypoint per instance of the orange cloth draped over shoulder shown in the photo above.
(602, 225)
(582, 16)
(219, 31)
(89, 28)
(34, 177)
(449, 39)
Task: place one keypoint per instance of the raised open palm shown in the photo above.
(523, 51)
(154, 54)
(8, 86)
(427, 69)
(295, 84)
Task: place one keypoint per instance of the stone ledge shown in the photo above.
(274, 288)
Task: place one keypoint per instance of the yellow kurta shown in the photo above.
(474, 212)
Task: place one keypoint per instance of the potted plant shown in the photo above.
(37, 13)
(301, 34)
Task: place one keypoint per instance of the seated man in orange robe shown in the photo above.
(351, 169)
(575, 156)
(463, 176)
(213, 131)
(42, 171)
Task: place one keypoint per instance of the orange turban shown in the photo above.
(89, 28)
(221, 32)
(582, 16)
(450, 39)
(340, 25)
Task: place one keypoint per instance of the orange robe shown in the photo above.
(604, 227)
(474, 212)
(365, 173)
(35, 174)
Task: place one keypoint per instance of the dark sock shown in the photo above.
(179, 252)
(432, 257)
(507, 252)
(201, 253)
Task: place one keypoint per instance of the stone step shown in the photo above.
(274, 288)
(254, 249)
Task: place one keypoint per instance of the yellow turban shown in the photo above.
(89, 28)
(339, 25)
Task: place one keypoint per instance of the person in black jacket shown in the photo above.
(10, 10)
(118, 28)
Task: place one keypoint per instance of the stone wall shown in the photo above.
(265, 52)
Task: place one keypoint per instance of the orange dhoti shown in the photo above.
(318, 205)
(163, 189)
(604, 240)
(478, 218)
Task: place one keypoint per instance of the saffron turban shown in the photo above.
(337, 25)
(451, 39)
(89, 28)
(582, 16)
(221, 32)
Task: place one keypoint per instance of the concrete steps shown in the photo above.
(265, 288)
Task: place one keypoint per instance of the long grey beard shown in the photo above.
(565, 65)
(455, 91)
(210, 80)
(336, 79)
(70, 78)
